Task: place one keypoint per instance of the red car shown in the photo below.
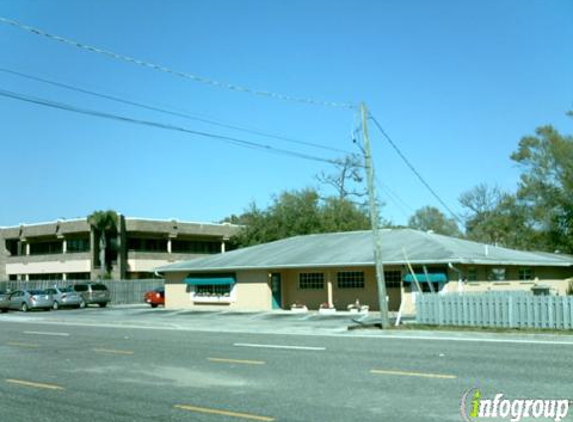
(155, 297)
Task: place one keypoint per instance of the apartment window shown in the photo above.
(147, 245)
(77, 245)
(46, 248)
(78, 276)
(308, 281)
(49, 276)
(195, 246)
(472, 274)
(350, 279)
(525, 273)
(12, 246)
(497, 274)
(393, 278)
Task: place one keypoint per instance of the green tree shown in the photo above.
(546, 185)
(488, 218)
(340, 215)
(295, 213)
(497, 217)
(431, 218)
(104, 224)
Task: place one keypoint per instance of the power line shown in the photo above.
(185, 75)
(411, 166)
(395, 198)
(170, 112)
(227, 139)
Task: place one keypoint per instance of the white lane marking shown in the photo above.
(47, 333)
(278, 346)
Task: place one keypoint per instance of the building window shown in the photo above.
(78, 276)
(308, 281)
(208, 290)
(12, 277)
(472, 274)
(12, 246)
(350, 279)
(497, 274)
(147, 245)
(393, 278)
(525, 273)
(50, 276)
(195, 246)
(77, 245)
(46, 248)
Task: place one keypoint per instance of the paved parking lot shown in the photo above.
(203, 320)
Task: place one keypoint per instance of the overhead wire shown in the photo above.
(395, 198)
(413, 169)
(111, 116)
(165, 69)
(171, 112)
(358, 133)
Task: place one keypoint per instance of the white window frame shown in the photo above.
(214, 299)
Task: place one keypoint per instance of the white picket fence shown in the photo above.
(496, 310)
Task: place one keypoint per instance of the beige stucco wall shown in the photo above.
(47, 267)
(512, 272)
(251, 292)
(561, 286)
(341, 297)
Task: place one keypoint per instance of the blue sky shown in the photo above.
(455, 83)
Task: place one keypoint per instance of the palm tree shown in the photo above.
(103, 222)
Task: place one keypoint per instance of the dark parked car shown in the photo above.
(93, 293)
(155, 297)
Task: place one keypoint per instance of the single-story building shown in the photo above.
(339, 268)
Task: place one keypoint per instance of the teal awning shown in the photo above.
(210, 280)
(433, 278)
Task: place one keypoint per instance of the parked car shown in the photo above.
(65, 296)
(93, 293)
(4, 301)
(26, 300)
(155, 297)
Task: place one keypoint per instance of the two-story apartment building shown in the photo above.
(69, 249)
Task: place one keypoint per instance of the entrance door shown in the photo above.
(276, 290)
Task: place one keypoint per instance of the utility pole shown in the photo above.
(374, 220)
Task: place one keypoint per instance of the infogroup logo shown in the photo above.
(474, 407)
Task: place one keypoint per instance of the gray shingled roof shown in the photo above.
(356, 249)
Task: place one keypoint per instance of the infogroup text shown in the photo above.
(474, 407)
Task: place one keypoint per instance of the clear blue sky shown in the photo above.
(455, 83)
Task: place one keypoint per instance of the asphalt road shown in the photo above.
(60, 372)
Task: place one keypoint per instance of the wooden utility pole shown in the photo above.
(374, 221)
